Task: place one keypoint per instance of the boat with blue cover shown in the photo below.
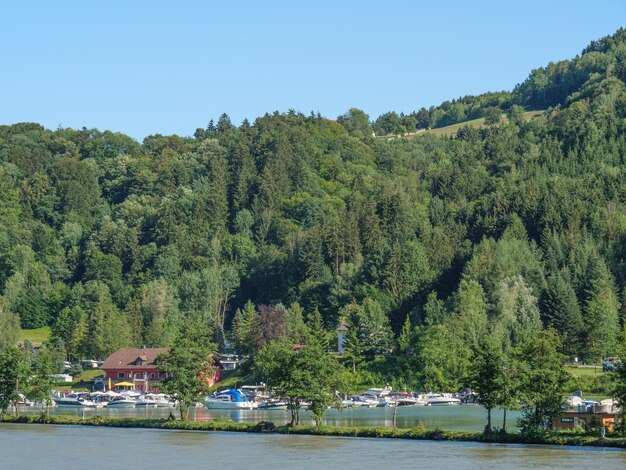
(229, 400)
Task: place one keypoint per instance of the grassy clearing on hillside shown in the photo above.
(36, 336)
(454, 128)
(480, 122)
(477, 123)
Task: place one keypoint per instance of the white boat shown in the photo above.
(73, 400)
(146, 401)
(440, 399)
(409, 401)
(372, 397)
(229, 400)
(385, 402)
(99, 399)
(273, 405)
(574, 401)
(256, 393)
(162, 400)
(357, 402)
(346, 404)
(23, 401)
(122, 403)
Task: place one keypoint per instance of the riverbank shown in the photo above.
(417, 433)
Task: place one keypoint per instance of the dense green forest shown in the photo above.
(422, 245)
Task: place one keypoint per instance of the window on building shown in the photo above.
(137, 376)
(130, 376)
(120, 375)
(152, 376)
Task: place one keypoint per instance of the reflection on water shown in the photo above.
(463, 418)
(306, 442)
(24, 446)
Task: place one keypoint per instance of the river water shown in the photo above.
(30, 446)
(461, 418)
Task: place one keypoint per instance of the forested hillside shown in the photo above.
(423, 246)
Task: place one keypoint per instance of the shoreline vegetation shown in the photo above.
(557, 438)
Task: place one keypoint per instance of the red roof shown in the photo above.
(126, 358)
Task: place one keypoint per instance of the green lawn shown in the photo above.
(84, 382)
(585, 371)
(596, 397)
(36, 336)
(90, 374)
(232, 378)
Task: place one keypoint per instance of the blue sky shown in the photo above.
(144, 67)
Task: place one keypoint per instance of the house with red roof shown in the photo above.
(138, 368)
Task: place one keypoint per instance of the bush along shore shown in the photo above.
(417, 433)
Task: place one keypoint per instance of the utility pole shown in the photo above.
(395, 414)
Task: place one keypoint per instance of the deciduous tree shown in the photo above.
(13, 376)
(187, 366)
(542, 378)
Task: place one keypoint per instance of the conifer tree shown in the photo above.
(315, 325)
(353, 353)
(405, 339)
(560, 310)
(601, 314)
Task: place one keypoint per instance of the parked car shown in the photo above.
(98, 384)
(610, 364)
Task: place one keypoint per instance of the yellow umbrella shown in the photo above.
(124, 384)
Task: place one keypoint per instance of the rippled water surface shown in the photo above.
(24, 446)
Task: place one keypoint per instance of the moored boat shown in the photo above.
(229, 400)
(440, 399)
(273, 405)
(163, 401)
(372, 397)
(385, 402)
(23, 401)
(74, 400)
(146, 401)
(409, 401)
(122, 403)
